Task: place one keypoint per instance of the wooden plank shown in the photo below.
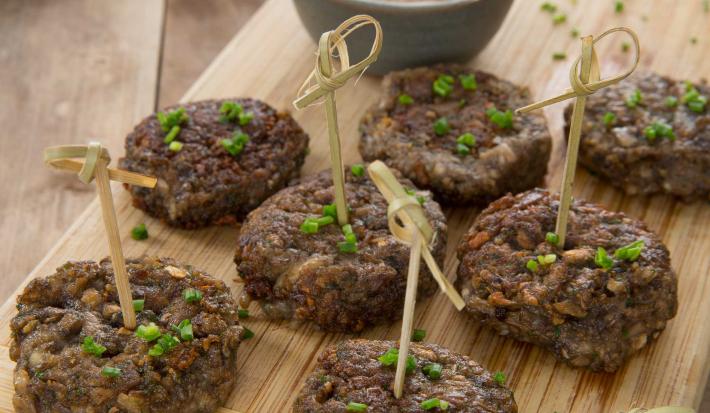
(71, 71)
(195, 32)
(268, 59)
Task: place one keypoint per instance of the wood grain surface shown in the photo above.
(269, 58)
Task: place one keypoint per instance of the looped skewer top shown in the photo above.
(405, 217)
(580, 88)
(95, 165)
(325, 78)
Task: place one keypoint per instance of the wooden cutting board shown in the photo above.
(270, 57)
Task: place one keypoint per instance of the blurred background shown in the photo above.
(76, 69)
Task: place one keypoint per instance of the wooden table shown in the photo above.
(121, 68)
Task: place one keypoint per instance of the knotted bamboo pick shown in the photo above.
(414, 230)
(327, 81)
(583, 84)
(95, 165)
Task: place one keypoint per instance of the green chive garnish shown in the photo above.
(234, 112)
(499, 377)
(171, 119)
(172, 134)
(165, 343)
(462, 150)
(659, 129)
(191, 295)
(418, 335)
(466, 139)
(247, 334)
(356, 407)
(559, 18)
(184, 330)
(574, 32)
(243, 313)
(671, 101)
(433, 403)
(443, 85)
(112, 372)
(235, 145)
(139, 232)
(609, 119)
(411, 192)
(138, 305)
(634, 99)
(602, 259)
(693, 99)
(531, 265)
(630, 252)
(552, 238)
(546, 259)
(468, 82)
(330, 210)
(441, 126)
(548, 7)
(148, 332)
(559, 56)
(91, 347)
(175, 146)
(405, 99)
(618, 6)
(357, 170)
(504, 120)
(432, 370)
(390, 358)
(347, 247)
(309, 226)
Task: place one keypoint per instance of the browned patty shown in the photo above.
(503, 160)
(586, 315)
(305, 276)
(621, 154)
(203, 184)
(56, 313)
(351, 372)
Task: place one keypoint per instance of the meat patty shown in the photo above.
(204, 183)
(589, 311)
(350, 371)
(58, 372)
(307, 277)
(615, 145)
(406, 131)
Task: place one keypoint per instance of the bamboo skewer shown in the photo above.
(407, 223)
(95, 165)
(584, 83)
(327, 81)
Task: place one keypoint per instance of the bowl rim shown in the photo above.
(403, 6)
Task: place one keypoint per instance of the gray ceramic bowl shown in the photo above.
(416, 32)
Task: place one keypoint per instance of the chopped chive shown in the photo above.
(234, 112)
(693, 99)
(659, 129)
(559, 56)
(531, 265)
(390, 358)
(171, 119)
(548, 7)
(411, 192)
(552, 238)
(347, 247)
(191, 295)
(559, 18)
(499, 377)
(138, 305)
(468, 82)
(630, 252)
(247, 334)
(170, 136)
(91, 347)
(175, 146)
(441, 126)
(112, 372)
(323, 221)
(184, 329)
(309, 226)
(574, 32)
(357, 170)
(634, 99)
(243, 313)
(165, 343)
(139, 232)
(418, 335)
(466, 139)
(609, 119)
(330, 210)
(462, 103)
(148, 332)
(432, 370)
(671, 101)
(434, 403)
(235, 145)
(504, 120)
(462, 150)
(356, 407)
(602, 259)
(405, 99)
(443, 85)
(618, 6)
(546, 259)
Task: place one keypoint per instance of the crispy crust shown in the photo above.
(587, 316)
(302, 276)
(503, 160)
(203, 184)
